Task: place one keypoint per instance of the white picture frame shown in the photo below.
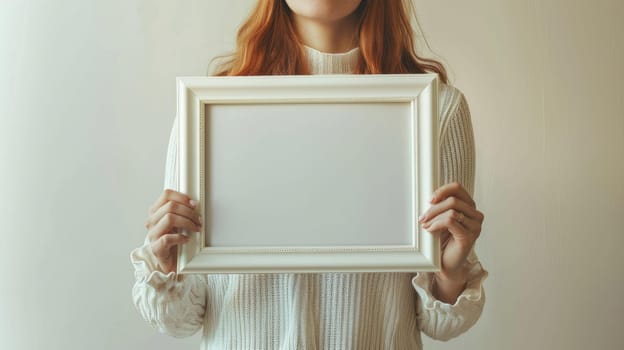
(267, 126)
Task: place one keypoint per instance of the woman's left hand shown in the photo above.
(454, 216)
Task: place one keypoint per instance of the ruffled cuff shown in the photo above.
(472, 294)
(148, 271)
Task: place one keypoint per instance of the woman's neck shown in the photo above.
(327, 36)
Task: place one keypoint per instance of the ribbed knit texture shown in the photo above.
(317, 311)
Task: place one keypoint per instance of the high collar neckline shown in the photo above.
(332, 63)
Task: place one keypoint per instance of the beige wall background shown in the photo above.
(87, 100)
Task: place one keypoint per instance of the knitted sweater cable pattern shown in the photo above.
(323, 310)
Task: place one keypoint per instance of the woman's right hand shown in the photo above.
(172, 212)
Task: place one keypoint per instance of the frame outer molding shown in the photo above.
(427, 130)
(192, 94)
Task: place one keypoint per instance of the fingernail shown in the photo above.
(420, 218)
(193, 203)
(201, 221)
(432, 199)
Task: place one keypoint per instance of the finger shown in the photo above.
(174, 208)
(447, 221)
(473, 226)
(460, 233)
(451, 202)
(452, 189)
(171, 195)
(168, 223)
(162, 247)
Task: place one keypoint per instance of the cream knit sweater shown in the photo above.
(324, 310)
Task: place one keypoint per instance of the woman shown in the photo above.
(326, 310)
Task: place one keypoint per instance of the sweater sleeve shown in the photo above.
(174, 305)
(437, 319)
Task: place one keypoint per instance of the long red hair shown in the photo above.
(267, 43)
